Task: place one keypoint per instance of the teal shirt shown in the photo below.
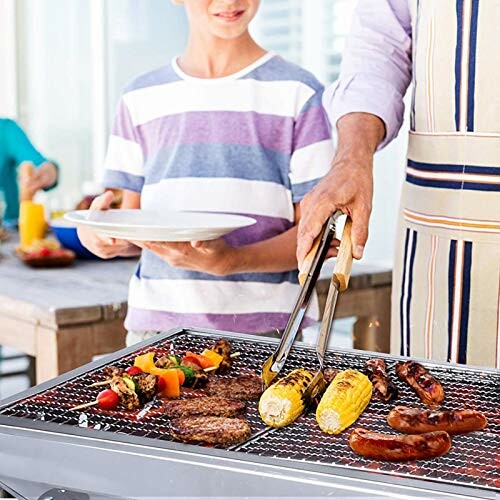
(15, 147)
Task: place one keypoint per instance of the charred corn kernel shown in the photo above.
(282, 402)
(343, 401)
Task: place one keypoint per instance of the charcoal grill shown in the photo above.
(45, 445)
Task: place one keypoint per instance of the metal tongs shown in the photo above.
(340, 279)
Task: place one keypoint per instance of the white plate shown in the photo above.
(145, 225)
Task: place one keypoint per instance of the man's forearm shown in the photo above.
(274, 255)
(359, 134)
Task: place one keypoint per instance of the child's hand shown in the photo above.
(104, 246)
(212, 257)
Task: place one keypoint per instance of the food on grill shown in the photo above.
(217, 359)
(165, 362)
(393, 447)
(170, 386)
(428, 388)
(210, 430)
(223, 348)
(204, 406)
(128, 397)
(344, 401)
(108, 400)
(146, 386)
(111, 371)
(383, 386)
(245, 387)
(329, 374)
(413, 421)
(133, 370)
(282, 403)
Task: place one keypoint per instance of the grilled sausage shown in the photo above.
(428, 388)
(413, 421)
(392, 447)
(383, 387)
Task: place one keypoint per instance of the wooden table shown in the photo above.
(64, 317)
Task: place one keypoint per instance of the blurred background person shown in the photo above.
(17, 154)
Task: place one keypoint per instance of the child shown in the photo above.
(226, 127)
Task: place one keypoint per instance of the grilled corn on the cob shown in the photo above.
(282, 402)
(343, 401)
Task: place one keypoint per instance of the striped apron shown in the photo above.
(446, 284)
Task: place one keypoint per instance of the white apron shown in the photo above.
(445, 302)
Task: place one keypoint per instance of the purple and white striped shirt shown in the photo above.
(253, 143)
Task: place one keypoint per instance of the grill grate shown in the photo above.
(473, 459)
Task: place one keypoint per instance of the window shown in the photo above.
(310, 33)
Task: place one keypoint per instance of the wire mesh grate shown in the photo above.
(473, 459)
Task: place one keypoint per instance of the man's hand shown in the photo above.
(212, 257)
(347, 187)
(104, 246)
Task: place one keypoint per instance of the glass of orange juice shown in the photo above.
(32, 225)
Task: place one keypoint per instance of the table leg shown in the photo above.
(373, 332)
(59, 351)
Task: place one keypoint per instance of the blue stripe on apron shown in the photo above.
(410, 289)
(451, 168)
(458, 60)
(464, 320)
(451, 288)
(435, 183)
(401, 303)
(472, 66)
(465, 276)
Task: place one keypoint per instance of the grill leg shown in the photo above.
(31, 371)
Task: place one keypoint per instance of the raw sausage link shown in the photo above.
(392, 447)
(413, 421)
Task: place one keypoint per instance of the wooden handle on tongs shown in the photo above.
(343, 266)
(307, 262)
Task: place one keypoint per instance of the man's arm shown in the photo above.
(376, 65)
(366, 105)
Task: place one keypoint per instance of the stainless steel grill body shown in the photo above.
(43, 442)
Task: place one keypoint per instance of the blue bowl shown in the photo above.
(66, 233)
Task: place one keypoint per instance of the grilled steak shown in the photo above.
(210, 430)
(146, 386)
(128, 398)
(206, 405)
(245, 387)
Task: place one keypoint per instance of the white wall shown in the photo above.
(8, 80)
